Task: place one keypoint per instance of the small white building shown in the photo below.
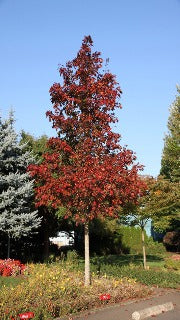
(63, 239)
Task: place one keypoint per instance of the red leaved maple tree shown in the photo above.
(86, 169)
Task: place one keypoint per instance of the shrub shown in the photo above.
(72, 256)
(131, 238)
(154, 247)
(172, 241)
(10, 267)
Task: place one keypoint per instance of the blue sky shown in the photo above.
(141, 39)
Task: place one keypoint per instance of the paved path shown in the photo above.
(124, 311)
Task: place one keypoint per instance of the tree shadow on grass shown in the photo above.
(125, 260)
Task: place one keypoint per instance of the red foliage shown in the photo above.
(11, 267)
(85, 169)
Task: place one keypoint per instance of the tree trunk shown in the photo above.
(8, 249)
(87, 260)
(46, 245)
(144, 250)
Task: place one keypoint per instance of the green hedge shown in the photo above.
(131, 238)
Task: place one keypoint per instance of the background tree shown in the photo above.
(170, 163)
(17, 217)
(50, 223)
(159, 203)
(86, 171)
(37, 146)
(164, 204)
(170, 169)
(139, 214)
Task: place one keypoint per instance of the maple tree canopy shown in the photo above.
(86, 170)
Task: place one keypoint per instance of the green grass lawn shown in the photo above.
(132, 266)
(10, 281)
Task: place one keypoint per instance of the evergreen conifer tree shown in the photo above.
(170, 166)
(17, 217)
(170, 169)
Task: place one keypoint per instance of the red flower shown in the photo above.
(6, 272)
(26, 315)
(105, 297)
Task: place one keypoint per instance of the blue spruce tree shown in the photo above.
(17, 216)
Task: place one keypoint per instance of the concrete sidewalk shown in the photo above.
(125, 310)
